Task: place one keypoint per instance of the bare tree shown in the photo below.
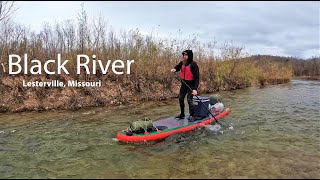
(83, 29)
(6, 9)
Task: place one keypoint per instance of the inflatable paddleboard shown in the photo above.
(168, 126)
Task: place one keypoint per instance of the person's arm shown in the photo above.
(196, 75)
(178, 66)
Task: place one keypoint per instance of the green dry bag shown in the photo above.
(140, 126)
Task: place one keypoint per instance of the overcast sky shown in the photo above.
(276, 28)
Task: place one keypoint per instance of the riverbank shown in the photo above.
(139, 86)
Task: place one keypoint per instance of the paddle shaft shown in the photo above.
(198, 98)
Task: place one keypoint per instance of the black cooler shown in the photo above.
(201, 109)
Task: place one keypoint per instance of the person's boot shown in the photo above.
(181, 116)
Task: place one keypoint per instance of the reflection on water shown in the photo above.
(275, 135)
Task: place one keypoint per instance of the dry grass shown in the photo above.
(221, 68)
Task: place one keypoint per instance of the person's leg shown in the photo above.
(190, 103)
(182, 95)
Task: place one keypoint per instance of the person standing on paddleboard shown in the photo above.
(189, 72)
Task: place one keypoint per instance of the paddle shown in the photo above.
(198, 98)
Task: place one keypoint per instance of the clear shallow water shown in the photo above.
(276, 135)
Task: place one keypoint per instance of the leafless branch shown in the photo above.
(6, 9)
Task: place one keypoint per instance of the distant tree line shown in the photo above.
(300, 67)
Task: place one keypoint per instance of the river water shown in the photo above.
(275, 135)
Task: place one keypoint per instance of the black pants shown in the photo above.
(184, 90)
